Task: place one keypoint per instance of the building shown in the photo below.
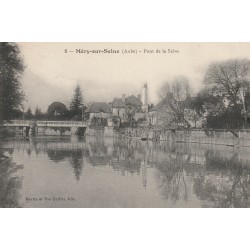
(162, 115)
(119, 107)
(133, 101)
(98, 109)
(170, 113)
(122, 106)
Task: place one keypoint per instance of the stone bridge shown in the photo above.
(25, 127)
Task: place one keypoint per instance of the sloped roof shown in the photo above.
(186, 104)
(98, 107)
(157, 106)
(118, 103)
(132, 100)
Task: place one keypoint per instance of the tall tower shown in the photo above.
(145, 98)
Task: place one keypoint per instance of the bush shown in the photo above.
(98, 122)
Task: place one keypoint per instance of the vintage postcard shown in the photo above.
(124, 125)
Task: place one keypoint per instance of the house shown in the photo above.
(162, 115)
(98, 109)
(133, 101)
(122, 106)
(170, 113)
(119, 107)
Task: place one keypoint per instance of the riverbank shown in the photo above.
(217, 137)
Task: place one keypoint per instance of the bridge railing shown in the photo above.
(70, 123)
(45, 123)
(18, 122)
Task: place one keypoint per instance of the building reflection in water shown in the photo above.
(217, 176)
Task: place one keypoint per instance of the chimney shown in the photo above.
(123, 97)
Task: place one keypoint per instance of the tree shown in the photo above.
(76, 105)
(171, 110)
(132, 110)
(56, 110)
(11, 69)
(179, 86)
(228, 82)
(28, 114)
(164, 90)
(98, 123)
(38, 114)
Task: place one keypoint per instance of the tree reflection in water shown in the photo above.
(217, 181)
(211, 176)
(127, 157)
(75, 158)
(10, 184)
(171, 176)
(226, 183)
(76, 161)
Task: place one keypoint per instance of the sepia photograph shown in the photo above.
(124, 125)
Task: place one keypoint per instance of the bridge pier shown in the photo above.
(109, 131)
(26, 131)
(32, 130)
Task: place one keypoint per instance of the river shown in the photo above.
(107, 172)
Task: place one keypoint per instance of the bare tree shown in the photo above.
(180, 88)
(164, 90)
(229, 79)
(171, 110)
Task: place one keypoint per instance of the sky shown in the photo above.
(52, 75)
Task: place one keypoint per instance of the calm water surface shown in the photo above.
(106, 172)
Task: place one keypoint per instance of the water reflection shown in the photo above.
(171, 174)
(10, 183)
(226, 183)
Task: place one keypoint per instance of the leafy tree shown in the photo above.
(11, 69)
(57, 110)
(38, 114)
(98, 122)
(207, 106)
(29, 115)
(116, 121)
(76, 104)
(131, 112)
